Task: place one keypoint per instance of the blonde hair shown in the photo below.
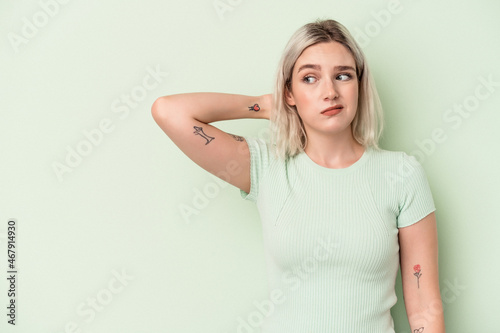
(288, 132)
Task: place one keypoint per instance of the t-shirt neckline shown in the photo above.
(356, 165)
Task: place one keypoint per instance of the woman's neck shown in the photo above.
(336, 152)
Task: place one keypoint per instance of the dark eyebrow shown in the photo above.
(345, 68)
(318, 67)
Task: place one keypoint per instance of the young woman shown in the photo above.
(339, 214)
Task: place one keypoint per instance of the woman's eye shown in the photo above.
(344, 77)
(309, 79)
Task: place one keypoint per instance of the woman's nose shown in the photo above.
(330, 90)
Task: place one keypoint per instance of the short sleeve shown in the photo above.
(259, 161)
(416, 201)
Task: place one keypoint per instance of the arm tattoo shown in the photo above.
(254, 107)
(418, 330)
(237, 137)
(417, 273)
(199, 131)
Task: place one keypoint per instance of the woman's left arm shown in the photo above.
(420, 277)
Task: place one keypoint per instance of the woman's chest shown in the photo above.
(336, 223)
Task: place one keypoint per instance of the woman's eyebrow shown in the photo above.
(318, 67)
(345, 68)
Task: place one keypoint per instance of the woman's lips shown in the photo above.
(331, 111)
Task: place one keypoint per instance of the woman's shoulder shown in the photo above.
(396, 161)
(391, 154)
(385, 153)
(259, 145)
(395, 157)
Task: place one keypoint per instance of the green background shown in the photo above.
(119, 208)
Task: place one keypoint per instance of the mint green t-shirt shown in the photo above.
(331, 237)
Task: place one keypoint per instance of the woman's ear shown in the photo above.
(289, 97)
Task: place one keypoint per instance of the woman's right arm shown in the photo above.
(185, 119)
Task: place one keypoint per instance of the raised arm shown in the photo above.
(185, 119)
(419, 273)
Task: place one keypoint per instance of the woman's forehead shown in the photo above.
(331, 54)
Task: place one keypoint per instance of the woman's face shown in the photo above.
(324, 78)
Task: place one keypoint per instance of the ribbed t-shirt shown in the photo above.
(331, 237)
